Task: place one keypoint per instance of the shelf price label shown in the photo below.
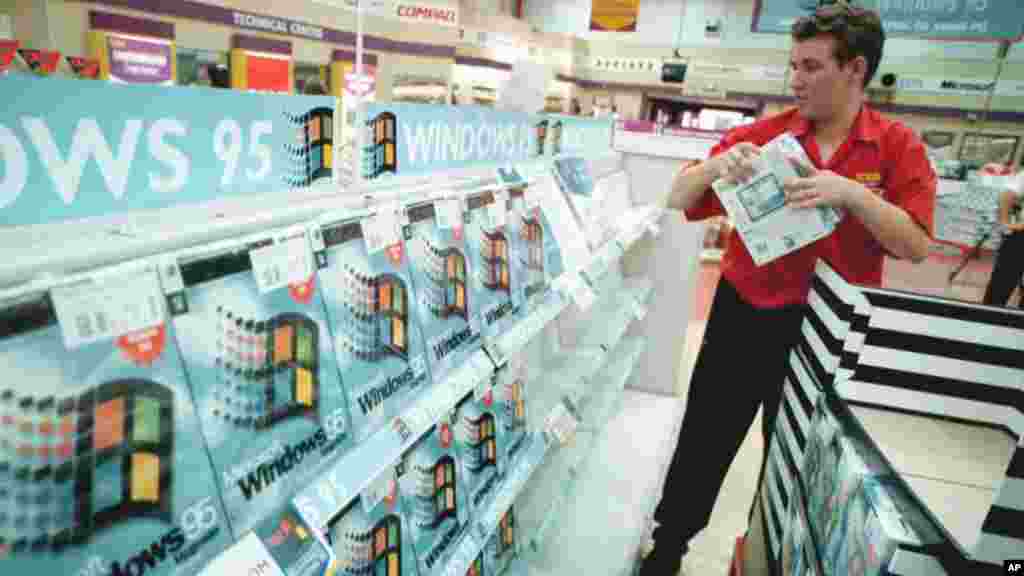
(381, 230)
(497, 211)
(449, 212)
(280, 264)
(248, 556)
(577, 288)
(560, 425)
(105, 308)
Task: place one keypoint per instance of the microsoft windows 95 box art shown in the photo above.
(103, 471)
(373, 538)
(376, 331)
(257, 348)
(489, 246)
(449, 313)
(433, 496)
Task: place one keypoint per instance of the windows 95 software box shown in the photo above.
(257, 348)
(103, 469)
(495, 284)
(478, 441)
(501, 547)
(373, 539)
(536, 252)
(372, 312)
(433, 494)
(858, 511)
(449, 313)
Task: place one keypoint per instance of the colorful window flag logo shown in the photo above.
(40, 62)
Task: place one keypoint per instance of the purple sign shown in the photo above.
(139, 61)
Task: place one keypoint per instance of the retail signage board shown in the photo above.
(404, 139)
(139, 60)
(947, 19)
(127, 148)
(939, 85)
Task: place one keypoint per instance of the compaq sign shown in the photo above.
(442, 15)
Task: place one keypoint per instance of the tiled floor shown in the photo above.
(711, 550)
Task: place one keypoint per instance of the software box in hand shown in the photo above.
(768, 226)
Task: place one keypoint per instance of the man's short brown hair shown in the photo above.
(858, 32)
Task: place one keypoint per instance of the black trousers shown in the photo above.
(740, 367)
(1007, 271)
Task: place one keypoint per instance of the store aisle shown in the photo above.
(711, 551)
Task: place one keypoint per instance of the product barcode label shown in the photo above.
(106, 309)
(278, 265)
(170, 275)
(381, 230)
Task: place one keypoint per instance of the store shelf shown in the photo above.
(480, 530)
(355, 471)
(608, 513)
(595, 411)
(636, 223)
(605, 401)
(476, 537)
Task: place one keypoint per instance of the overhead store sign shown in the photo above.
(716, 70)
(408, 139)
(967, 19)
(218, 15)
(951, 86)
(137, 60)
(71, 149)
(428, 14)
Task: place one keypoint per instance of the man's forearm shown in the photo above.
(688, 186)
(891, 226)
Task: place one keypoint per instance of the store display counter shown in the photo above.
(897, 439)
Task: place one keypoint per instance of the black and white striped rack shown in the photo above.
(912, 354)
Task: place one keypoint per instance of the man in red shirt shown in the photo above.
(874, 169)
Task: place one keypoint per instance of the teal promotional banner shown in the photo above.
(575, 136)
(71, 149)
(950, 19)
(404, 139)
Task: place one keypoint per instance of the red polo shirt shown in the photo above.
(882, 154)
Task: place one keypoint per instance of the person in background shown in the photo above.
(874, 169)
(1008, 270)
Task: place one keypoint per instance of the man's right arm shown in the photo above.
(689, 184)
(733, 162)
